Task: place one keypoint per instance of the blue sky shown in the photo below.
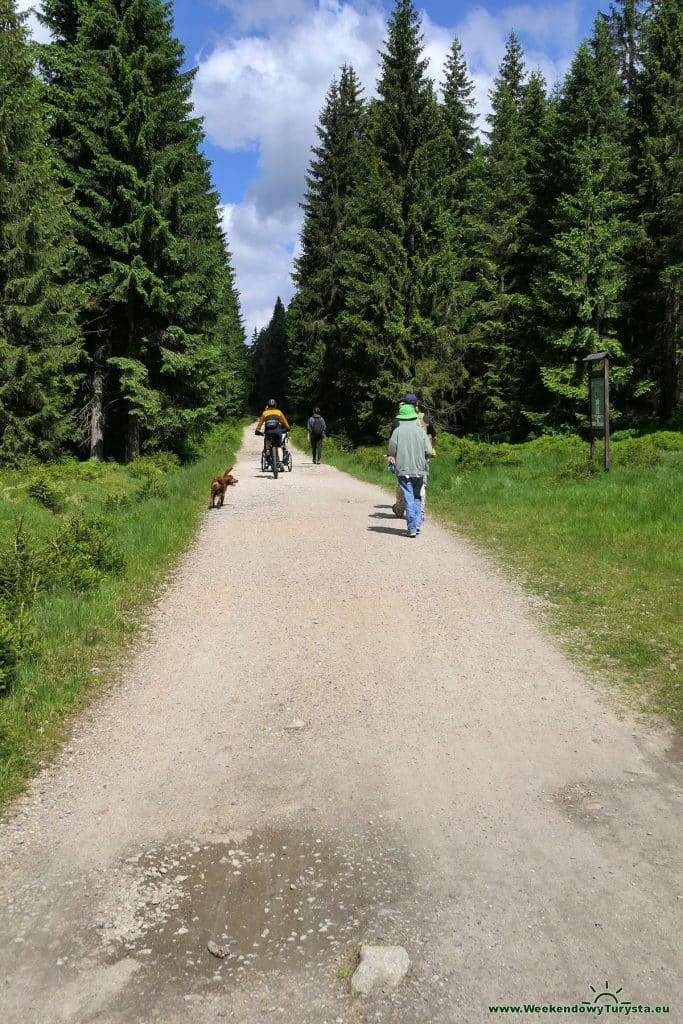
(264, 67)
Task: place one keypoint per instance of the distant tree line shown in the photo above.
(479, 272)
(120, 328)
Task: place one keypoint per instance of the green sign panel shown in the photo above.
(597, 393)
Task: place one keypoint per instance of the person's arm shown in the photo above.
(260, 422)
(393, 446)
(429, 451)
(284, 420)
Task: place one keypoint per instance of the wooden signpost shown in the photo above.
(598, 397)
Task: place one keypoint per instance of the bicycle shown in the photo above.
(269, 456)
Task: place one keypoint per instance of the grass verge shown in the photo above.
(605, 550)
(84, 548)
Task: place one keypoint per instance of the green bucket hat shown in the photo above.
(407, 412)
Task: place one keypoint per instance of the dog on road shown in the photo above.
(219, 486)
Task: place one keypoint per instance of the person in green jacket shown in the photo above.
(409, 449)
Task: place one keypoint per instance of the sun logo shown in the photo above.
(606, 997)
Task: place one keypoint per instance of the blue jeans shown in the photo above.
(411, 486)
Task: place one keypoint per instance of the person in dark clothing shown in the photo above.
(317, 429)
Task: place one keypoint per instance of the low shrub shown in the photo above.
(93, 469)
(556, 444)
(21, 569)
(667, 440)
(153, 465)
(10, 650)
(637, 451)
(117, 500)
(475, 455)
(152, 487)
(46, 494)
(84, 552)
(578, 469)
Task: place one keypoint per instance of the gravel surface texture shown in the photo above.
(332, 736)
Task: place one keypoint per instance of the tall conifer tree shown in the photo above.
(151, 252)
(394, 292)
(316, 338)
(504, 200)
(659, 353)
(583, 282)
(269, 360)
(465, 240)
(39, 341)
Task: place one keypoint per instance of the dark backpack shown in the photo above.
(317, 425)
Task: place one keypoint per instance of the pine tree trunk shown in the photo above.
(132, 438)
(97, 412)
(672, 382)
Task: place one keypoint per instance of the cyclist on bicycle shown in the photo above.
(274, 423)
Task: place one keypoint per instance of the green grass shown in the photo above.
(604, 549)
(84, 607)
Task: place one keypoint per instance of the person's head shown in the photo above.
(411, 399)
(271, 403)
(316, 411)
(407, 412)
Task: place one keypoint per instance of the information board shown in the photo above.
(597, 395)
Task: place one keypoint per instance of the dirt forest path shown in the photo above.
(333, 735)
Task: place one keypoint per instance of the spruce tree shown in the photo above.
(39, 342)
(465, 239)
(625, 25)
(269, 361)
(393, 288)
(504, 203)
(582, 285)
(160, 314)
(660, 166)
(316, 339)
(530, 396)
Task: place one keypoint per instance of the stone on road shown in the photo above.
(382, 967)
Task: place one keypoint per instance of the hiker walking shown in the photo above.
(399, 507)
(409, 450)
(317, 429)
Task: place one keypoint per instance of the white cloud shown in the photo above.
(38, 31)
(261, 247)
(257, 13)
(265, 90)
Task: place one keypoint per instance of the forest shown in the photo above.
(120, 330)
(477, 268)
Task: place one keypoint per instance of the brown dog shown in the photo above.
(219, 486)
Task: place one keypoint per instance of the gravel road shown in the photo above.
(334, 735)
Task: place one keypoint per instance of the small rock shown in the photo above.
(298, 724)
(379, 967)
(220, 951)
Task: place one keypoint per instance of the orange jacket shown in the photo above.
(273, 412)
